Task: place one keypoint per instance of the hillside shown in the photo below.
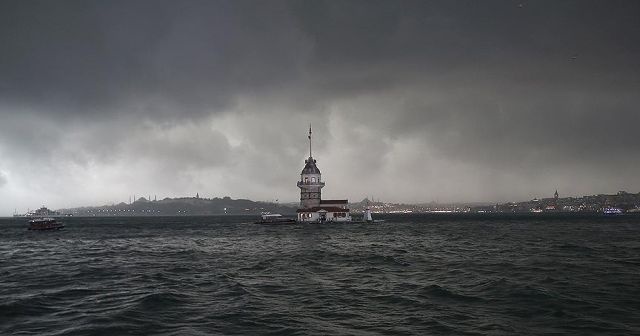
(188, 206)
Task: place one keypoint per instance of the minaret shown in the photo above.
(310, 184)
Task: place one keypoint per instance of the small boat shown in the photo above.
(275, 219)
(42, 224)
(366, 217)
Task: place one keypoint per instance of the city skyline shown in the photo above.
(413, 101)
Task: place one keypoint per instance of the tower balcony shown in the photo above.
(311, 184)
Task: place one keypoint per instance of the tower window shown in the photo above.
(313, 179)
(306, 180)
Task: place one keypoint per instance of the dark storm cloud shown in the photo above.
(175, 58)
(479, 100)
(93, 57)
(514, 88)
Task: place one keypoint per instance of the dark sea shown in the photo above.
(411, 275)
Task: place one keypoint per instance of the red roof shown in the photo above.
(334, 202)
(327, 209)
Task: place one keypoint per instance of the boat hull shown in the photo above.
(277, 222)
(46, 228)
(45, 224)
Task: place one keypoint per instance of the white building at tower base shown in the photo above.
(327, 211)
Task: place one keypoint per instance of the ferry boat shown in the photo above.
(42, 212)
(275, 219)
(42, 224)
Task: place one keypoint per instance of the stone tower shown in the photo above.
(310, 184)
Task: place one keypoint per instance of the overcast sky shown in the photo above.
(410, 101)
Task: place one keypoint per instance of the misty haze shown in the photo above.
(410, 102)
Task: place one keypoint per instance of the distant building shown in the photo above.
(312, 207)
(554, 204)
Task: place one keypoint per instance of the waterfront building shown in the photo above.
(553, 204)
(312, 207)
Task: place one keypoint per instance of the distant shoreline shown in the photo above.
(411, 214)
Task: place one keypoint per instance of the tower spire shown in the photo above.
(310, 140)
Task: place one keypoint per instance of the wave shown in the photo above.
(412, 276)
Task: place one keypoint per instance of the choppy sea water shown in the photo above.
(411, 275)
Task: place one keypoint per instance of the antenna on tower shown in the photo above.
(310, 140)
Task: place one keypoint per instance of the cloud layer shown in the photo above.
(410, 101)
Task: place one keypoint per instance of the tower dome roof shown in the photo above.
(310, 167)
